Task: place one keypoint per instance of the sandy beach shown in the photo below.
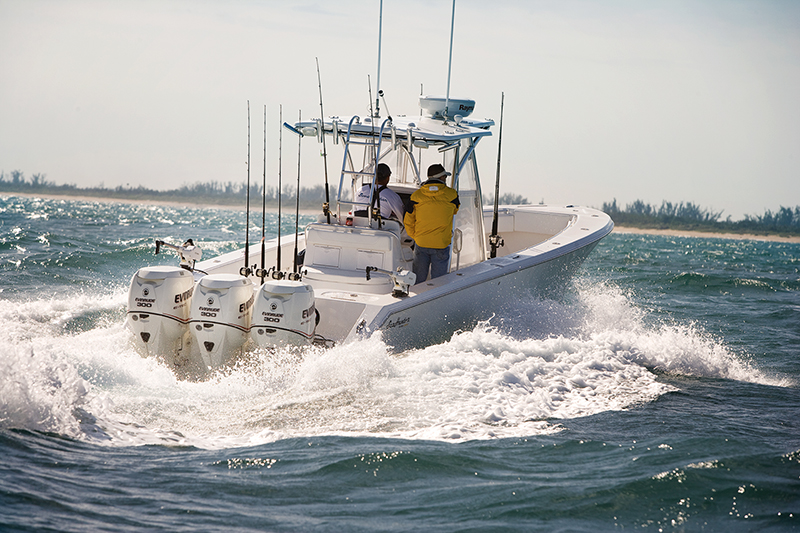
(707, 234)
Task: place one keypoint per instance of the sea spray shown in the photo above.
(489, 382)
(41, 392)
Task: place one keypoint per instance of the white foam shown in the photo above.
(40, 393)
(542, 362)
(45, 317)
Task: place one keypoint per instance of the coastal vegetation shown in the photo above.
(680, 216)
(691, 217)
(204, 193)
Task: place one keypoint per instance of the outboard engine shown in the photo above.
(284, 314)
(220, 318)
(158, 309)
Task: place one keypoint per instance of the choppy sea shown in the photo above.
(661, 393)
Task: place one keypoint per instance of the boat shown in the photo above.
(355, 278)
(351, 274)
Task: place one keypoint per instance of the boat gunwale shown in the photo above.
(523, 260)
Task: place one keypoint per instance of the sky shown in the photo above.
(684, 101)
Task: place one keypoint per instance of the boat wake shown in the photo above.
(69, 368)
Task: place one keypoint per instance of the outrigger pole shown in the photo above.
(327, 205)
(494, 239)
(245, 270)
(450, 63)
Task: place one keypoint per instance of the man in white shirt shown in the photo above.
(390, 202)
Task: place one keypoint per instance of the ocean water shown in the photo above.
(662, 393)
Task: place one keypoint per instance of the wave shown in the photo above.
(726, 283)
(68, 367)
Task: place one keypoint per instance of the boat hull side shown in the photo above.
(434, 320)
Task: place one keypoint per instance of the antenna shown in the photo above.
(378, 80)
(450, 62)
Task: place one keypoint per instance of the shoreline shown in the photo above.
(706, 234)
(309, 211)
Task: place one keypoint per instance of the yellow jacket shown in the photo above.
(430, 219)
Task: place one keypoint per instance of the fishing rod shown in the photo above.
(262, 273)
(277, 274)
(494, 239)
(372, 122)
(245, 270)
(326, 207)
(295, 276)
(385, 105)
(374, 187)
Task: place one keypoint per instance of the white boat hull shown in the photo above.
(472, 299)
(462, 298)
(545, 247)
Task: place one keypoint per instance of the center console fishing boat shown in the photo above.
(356, 277)
(351, 273)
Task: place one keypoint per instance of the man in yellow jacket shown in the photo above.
(429, 222)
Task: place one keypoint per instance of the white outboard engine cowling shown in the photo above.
(158, 309)
(284, 314)
(220, 320)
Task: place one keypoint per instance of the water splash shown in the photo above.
(517, 375)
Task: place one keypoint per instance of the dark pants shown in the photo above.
(434, 258)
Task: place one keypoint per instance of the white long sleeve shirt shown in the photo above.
(391, 203)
